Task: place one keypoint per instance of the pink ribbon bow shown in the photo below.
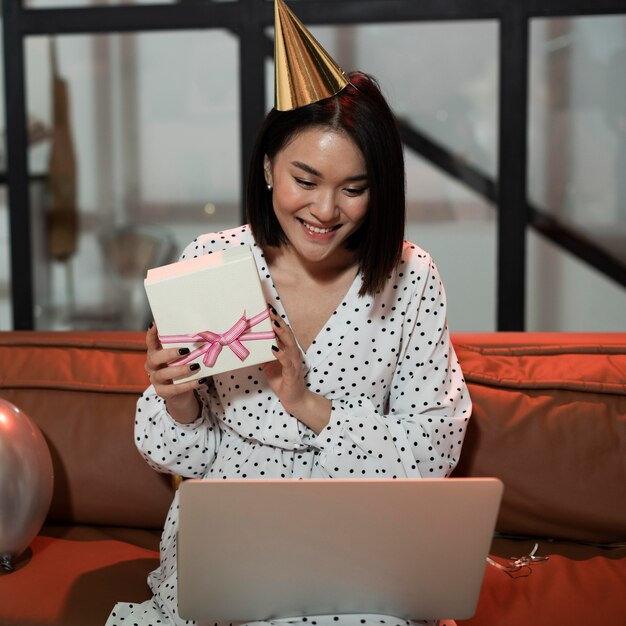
(212, 343)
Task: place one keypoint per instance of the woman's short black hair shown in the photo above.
(361, 111)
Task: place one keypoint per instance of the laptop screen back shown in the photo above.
(265, 549)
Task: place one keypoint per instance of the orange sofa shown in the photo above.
(549, 420)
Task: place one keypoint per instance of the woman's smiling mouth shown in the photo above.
(316, 229)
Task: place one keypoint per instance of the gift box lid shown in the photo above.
(208, 295)
(200, 263)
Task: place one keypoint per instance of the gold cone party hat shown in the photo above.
(304, 71)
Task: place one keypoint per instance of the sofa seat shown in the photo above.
(73, 571)
(579, 585)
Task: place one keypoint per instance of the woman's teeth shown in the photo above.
(315, 229)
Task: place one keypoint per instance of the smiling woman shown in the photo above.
(364, 381)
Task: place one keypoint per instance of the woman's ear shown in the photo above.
(267, 170)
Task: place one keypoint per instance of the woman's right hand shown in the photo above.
(182, 403)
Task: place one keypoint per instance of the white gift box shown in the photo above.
(212, 304)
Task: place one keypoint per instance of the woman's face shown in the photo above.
(321, 193)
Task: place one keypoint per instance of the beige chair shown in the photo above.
(128, 252)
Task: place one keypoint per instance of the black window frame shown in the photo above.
(247, 20)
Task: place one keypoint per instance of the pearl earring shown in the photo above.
(269, 187)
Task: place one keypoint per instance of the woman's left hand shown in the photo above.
(286, 378)
(285, 374)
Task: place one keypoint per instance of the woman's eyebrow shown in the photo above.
(314, 172)
(307, 168)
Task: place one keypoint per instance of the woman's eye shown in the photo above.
(356, 191)
(307, 184)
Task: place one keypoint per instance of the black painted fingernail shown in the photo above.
(273, 310)
(276, 324)
(194, 366)
(151, 325)
(182, 351)
(201, 381)
(275, 348)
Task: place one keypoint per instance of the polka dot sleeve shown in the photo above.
(420, 431)
(169, 446)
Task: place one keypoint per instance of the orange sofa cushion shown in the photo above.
(81, 390)
(549, 420)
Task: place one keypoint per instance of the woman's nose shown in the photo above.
(325, 208)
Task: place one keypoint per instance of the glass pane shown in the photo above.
(449, 93)
(577, 155)
(148, 159)
(459, 229)
(450, 96)
(578, 118)
(565, 294)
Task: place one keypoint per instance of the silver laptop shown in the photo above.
(265, 549)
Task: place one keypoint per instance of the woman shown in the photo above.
(365, 381)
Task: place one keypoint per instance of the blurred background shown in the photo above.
(127, 144)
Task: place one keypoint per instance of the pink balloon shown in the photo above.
(26, 478)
